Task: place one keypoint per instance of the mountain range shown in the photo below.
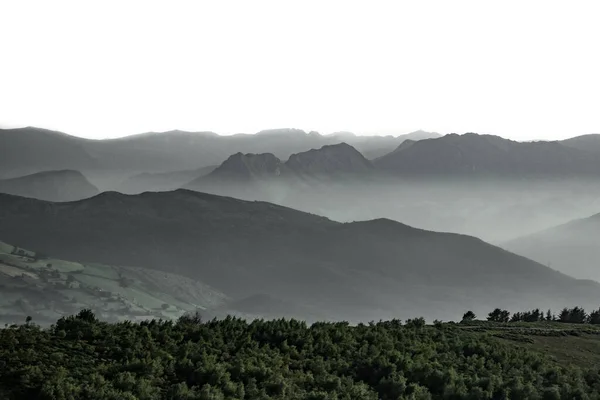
(491, 156)
(260, 251)
(29, 150)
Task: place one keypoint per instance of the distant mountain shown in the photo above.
(249, 166)
(573, 248)
(472, 154)
(330, 160)
(588, 143)
(266, 177)
(353, 271)
(29, 150)
(161, 181)
(376, 146)
(65, 185)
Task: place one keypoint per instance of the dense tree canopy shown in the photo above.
(82, 358)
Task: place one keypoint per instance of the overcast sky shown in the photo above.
(518, 69)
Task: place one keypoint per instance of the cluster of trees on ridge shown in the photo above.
(575, 315)
(81, 357)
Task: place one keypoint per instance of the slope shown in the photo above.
(355, 271)
(573, 248)
(29, 150)
(588, 143)
(65, 185)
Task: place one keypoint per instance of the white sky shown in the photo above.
(519, 69)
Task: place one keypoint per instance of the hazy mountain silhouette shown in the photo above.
(329, 160)
(29, 150)
(472, 154)
(65, 185)
(376, 146)
(573, 248)
(266, 177)
(364, 270)
(161, 181)
(588, 143)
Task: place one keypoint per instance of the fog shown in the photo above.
(495, 210)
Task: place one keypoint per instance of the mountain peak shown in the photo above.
(330, 159)
(249, 166)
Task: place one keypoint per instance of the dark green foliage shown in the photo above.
(82, 358)
(469, 316)
(499, 315)
(575, 315)
(528, 316)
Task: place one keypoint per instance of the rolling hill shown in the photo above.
(65, 185)
(573, 248)
(353, 271)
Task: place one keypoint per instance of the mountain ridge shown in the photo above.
(247, 248)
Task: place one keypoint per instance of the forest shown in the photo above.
(81, 357)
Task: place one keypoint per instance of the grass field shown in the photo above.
(49, 287)
(576, 344)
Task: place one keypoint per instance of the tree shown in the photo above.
(469, 316)
(594, 317)
(499, 315)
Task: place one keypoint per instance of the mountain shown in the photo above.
(29, 150)
(266, 177)
(354, 271)
(162, 181)
(486, 155)
(329, 160)
(376, 146)
(573, 248)
(65, 185)
(588, 143)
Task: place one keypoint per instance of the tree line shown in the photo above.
(575, 315)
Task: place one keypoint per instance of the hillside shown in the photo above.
(486, 155)
(29, 150)
(65, 185)
(355, 271)
(588, 143)
(46, 288)
(573, 248)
